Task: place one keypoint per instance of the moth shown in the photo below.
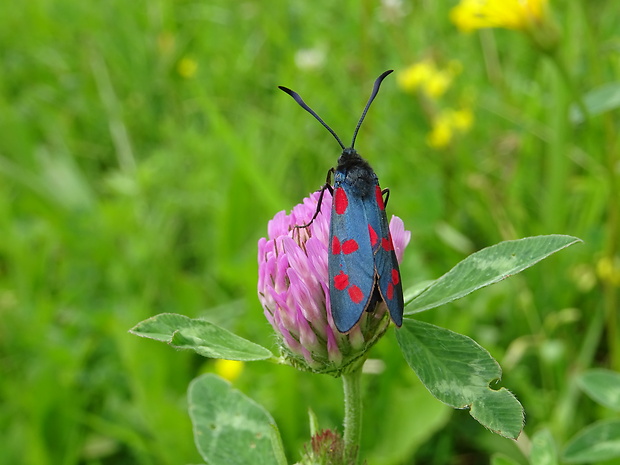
(362, 264)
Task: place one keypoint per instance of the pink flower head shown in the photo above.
(294, 291)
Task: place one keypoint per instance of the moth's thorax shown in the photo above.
(356, 173)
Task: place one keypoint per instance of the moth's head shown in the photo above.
(349, 153)
(349, 157)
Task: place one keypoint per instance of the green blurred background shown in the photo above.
(144, 146)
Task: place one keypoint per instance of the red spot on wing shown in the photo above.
(335, 245)
(379, 198)
(390, 291)
(341, 202)
(356, 294)
(395, 276)
(349, 246)
(373, 236)
(341, 281)
(386, 243)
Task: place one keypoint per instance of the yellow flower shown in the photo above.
(412, 78)
(425, 76)
(608, 269)
(437, 85)
(228, 369)
(462, 119)
(441, 134)
(529, 16)
(187, 68)
(510, 14)
(446, 124)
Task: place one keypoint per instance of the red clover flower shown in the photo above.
(294, 291)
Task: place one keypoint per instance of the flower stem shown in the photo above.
(352, 414)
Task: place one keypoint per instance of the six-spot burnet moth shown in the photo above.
(362, 264)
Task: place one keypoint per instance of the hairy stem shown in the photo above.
(352, 414)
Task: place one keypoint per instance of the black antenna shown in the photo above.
(375, 91)
(302, 104)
